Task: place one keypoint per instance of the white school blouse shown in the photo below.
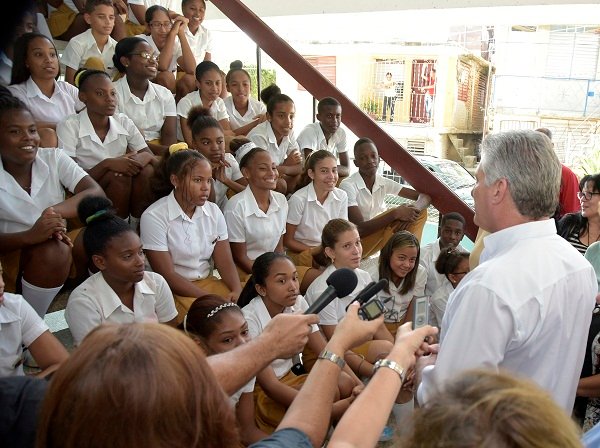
(427, 258)
(148, 114)
(310, 216)
(63, 102)
(335, 311)
(217, 109)
(171, 5)
(258, 317)
(369, 203)
(77, 135)
(397, 304)
(83, 46)
(94, 302)
(247, 223)
(263, 137)
(200, 43)
(20, 326)
(177, 52)
(312, 138)
(191, 241)
(52, 172)
(236, 119)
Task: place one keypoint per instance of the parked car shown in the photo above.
(456, 177)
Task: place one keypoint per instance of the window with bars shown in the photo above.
(464, 75)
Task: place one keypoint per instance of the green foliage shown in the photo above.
(267, 77)
(588, 163)
(371, 106)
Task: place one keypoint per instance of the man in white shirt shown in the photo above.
(451, 233)
(527, 307)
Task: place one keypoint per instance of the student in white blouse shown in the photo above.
(209, 139)
(167, 37)
(20, 326)
(33, 235)
(256, 217)
(183, 231)
(208, 80)
(276, 135)
(121, 291)
(342, 249)
(313, 206)
(245, 113)
(34, 81)
(109, 146)
(150, 105)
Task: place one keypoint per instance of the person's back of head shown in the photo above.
(528, 162)
(486, 409)
(269, 92)
(136, 385)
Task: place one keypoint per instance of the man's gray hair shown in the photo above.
(528, 162)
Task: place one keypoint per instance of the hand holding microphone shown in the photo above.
(340, 283)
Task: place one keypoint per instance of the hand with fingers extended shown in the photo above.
(352, 331)
(411, 344)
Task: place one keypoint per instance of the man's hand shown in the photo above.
(287, 334)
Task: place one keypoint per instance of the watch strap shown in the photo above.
(388, 363)
(330, 356)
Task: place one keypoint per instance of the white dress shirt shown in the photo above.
(52, 172)
(526, 309)
(94, 302)
(83, 46)
(369, 203)
(335, 311)
(77, 135)
(232, 172)
(247, 223)
(262, 136)
(258, 317)
(236, 120)
(310, 216)
(165, 227)
(312, 138)
(148, 114)
(20, 326)
(63, 102)
(200, 43)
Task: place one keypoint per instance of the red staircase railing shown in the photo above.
(353, 117)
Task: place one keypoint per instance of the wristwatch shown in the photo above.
(390, 365)
(330, 356)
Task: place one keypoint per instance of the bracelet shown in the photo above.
(330, 356)
(390, 365)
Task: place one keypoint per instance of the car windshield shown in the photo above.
(453, 175)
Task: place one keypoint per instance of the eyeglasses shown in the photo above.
(587, 195)
(146, 55)
(165, 25)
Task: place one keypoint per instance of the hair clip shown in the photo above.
(95, 216)
(219, 308)
(244, 149)
(78, 77)
(185, 324)
(176, 147)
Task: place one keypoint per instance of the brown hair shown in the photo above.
(483, 408)
(311, 163)
(400, 239)
(330, 236)
(180, 163)
(136, 385)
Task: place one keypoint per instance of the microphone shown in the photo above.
(370, 290)
(340, 283)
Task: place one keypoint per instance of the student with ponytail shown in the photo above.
(183, 231)
(122, 291)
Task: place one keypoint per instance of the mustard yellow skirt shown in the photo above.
(269, 413)
(60, 20)
(210, 284)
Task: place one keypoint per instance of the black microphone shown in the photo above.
(340, 283)
(370, 290)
